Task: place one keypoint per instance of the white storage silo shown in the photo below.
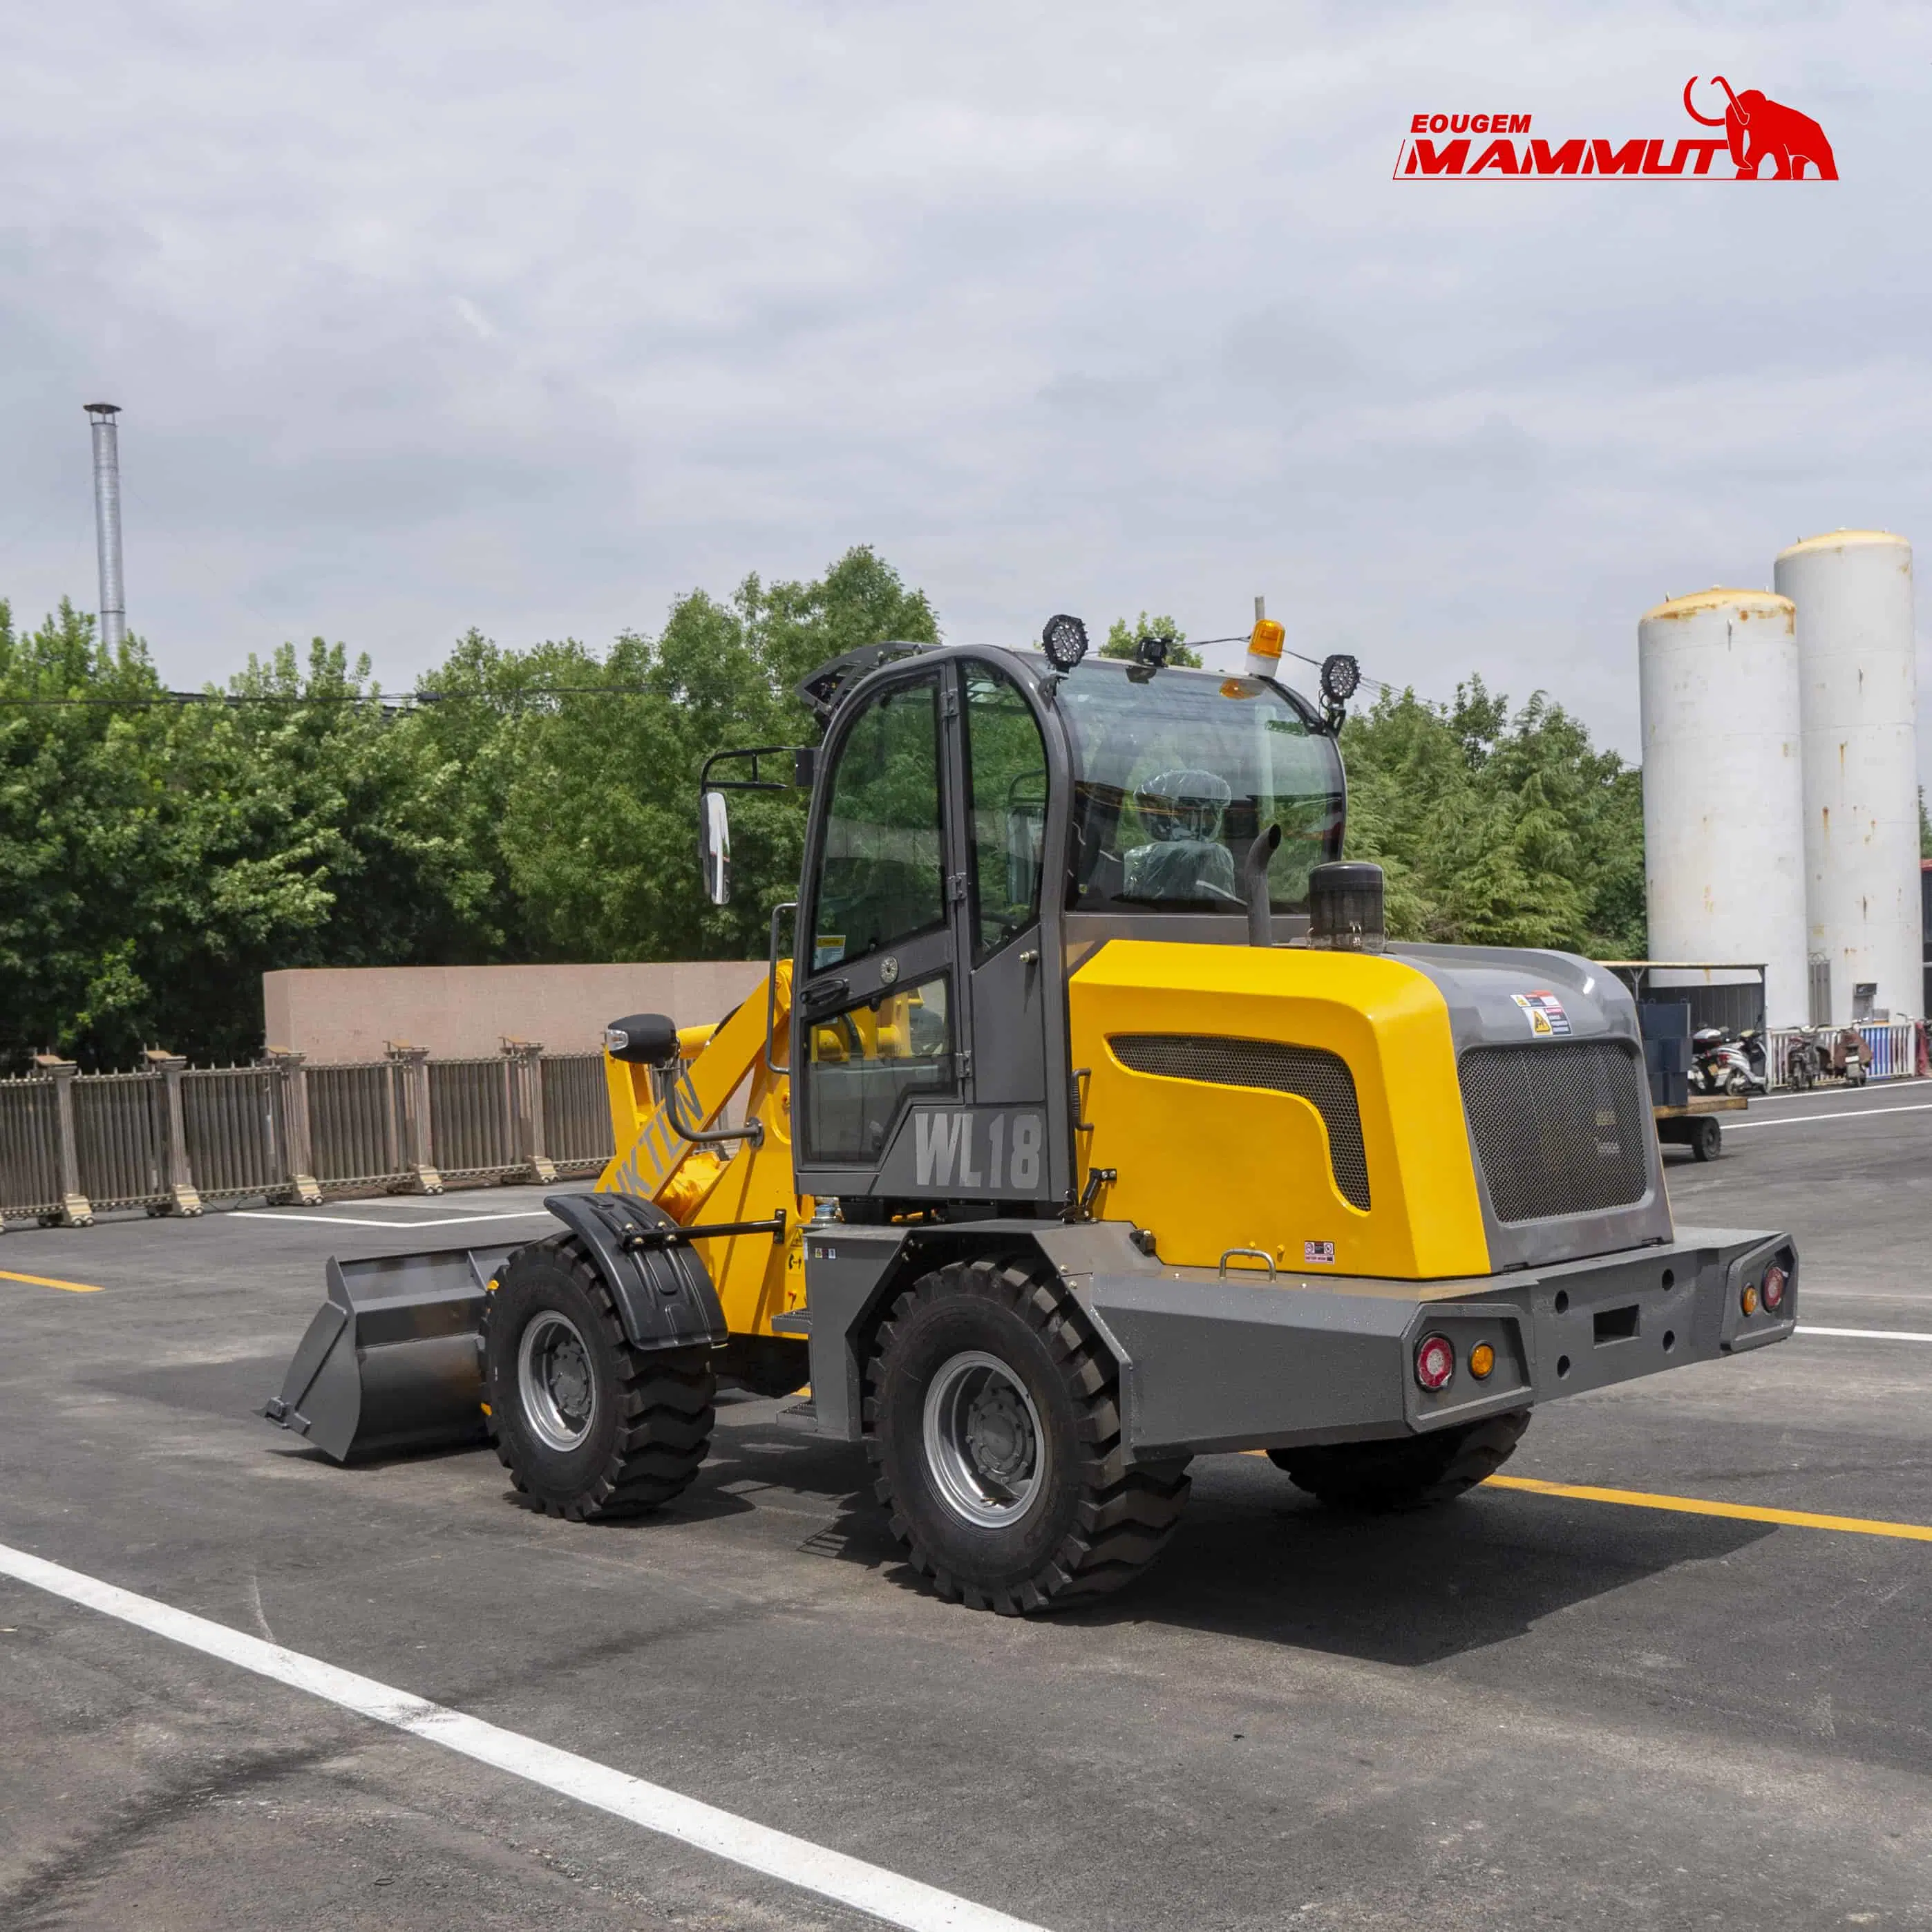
(1857, 695)
(1723, 814)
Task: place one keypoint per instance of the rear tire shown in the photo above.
(1707, 1137)
(995, 1431)
(587, 1426)
(1416, 1472)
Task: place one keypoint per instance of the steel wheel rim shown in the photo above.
(985, 1451)
(555, 1380)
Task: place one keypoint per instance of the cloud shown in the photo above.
(532, 316)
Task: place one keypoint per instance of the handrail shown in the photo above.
(772, 988)
(753, 1130)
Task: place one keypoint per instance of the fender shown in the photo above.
(663, 1293)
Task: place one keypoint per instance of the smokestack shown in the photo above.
(107, 520)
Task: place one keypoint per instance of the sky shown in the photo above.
(533, 317)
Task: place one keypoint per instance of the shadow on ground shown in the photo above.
(1253, 1558)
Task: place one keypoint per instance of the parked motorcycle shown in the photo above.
(1720, 1064)
(1803, 1061)
(1849, 1056)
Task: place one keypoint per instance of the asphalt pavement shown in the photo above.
(1534, 1708)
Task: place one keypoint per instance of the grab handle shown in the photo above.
(771, 987)
(1261, 1254)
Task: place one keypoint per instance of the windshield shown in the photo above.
(1175, 772)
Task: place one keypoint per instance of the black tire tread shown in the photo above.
(1417, 1472)
(667, 1400)
(1125, 1516)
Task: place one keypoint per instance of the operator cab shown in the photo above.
(981, 821)
(1175, 775)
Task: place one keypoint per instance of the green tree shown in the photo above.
(156, 858)
(1495, 828)
(1124, 641)
(599, 825)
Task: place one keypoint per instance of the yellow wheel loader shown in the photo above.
(1091, 1125)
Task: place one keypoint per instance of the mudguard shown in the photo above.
(663, 1290)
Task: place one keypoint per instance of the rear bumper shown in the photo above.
(1212, 1364)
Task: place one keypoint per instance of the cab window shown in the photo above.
(1006, 772)
(866, 1062)
(1175, 775)
(881, 876)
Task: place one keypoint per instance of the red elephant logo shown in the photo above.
(1755, 127)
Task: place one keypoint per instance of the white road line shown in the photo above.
(1867, 1334)
(1842, 1113)
(869, 1889)
(297, 1218)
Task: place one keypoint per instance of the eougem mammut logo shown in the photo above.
(1756, 130)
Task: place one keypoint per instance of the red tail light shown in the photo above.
(1773, 1291)
(1435, 1362)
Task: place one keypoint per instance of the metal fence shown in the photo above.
(474, 1112)
(1891, 1049)
(30, 1155)
(121, 1146)
(576, 1112)
(168, 1137)
(234, 1122)
(356, 1128)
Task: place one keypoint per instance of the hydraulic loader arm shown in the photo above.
(756, 1277)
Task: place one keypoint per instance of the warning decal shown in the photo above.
(1317, 1254)
(1544, 1012)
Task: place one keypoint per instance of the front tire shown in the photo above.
(588, 1427)
(1415, 1472)
(995, 1432)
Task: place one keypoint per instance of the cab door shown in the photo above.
(1002, 756)
(879, 1024)
(928, 996)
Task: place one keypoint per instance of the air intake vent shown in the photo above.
(1559, 1125)
(1322, 1079)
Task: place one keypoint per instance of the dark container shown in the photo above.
(1664, 1019)
(1345, 907)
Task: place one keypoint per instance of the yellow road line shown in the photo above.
(45, 1281)
(1855, 1525)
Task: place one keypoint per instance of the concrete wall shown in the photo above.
(352, 1012)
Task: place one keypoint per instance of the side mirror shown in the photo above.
(714, 847)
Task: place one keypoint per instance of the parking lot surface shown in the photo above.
(1532, 1708)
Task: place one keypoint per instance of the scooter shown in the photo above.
(1849, 1055)
(1719, 1064)
(1752, 1041)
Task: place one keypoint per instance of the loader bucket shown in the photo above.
(393, 1359)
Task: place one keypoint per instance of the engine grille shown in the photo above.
(1559, 1125)
(1322, 1078)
